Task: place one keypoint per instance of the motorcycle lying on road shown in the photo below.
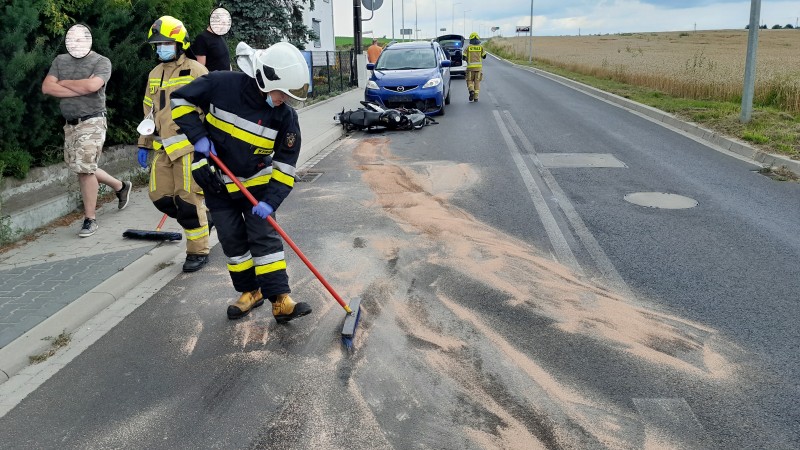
(373, 116)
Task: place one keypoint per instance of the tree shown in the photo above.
(776, 27)
(261, 23)
(788, 26)
(32, 35)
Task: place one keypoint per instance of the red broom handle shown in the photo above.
(161, 224)
(280, 231)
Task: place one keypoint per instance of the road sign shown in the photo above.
(523, 29)
(372, 5)
(405, 32)
(495, 29)
(442, 29)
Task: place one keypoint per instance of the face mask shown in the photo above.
(269, 100)
(165, 52)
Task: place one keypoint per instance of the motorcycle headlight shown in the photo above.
(432, 82)
(372, 85)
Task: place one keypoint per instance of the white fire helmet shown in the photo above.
(281, 67)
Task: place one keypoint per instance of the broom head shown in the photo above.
(147, 235)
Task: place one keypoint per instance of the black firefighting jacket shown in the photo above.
(259, 144)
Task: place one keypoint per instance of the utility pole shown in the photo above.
(402, 18)
(453, 28)
(750, 65)
(357, 27)
(416, 27)
(530, 55)
(392, 19)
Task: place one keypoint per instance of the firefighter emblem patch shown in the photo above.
(291, 138)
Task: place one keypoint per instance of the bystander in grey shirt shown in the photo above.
(65, 67)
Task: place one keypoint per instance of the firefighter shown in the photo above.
(172, 189)
(252, 129)
(474, 54)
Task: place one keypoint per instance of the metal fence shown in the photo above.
(331, 72)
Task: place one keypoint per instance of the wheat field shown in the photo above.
(703, 65)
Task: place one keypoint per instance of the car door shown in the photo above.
(445, 71)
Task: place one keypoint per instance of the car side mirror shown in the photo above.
(371, 66)
(445, 63)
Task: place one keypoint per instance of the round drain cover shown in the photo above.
(661, 200)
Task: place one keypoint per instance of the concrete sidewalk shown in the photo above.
(56, 281)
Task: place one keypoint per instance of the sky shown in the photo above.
(559, 17)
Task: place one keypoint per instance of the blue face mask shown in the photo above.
(269, 101)
(165, 52)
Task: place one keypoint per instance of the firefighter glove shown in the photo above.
(207, 177)
(205, 146)
(142, 157)
(262, 210)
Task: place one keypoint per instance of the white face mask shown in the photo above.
(165, 52)
(147, 126)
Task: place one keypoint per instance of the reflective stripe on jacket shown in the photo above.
(474, 55)
(162, 81)
(259, 144)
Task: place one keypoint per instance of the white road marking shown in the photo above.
(670, 423)
(563, 253)
(604, 265)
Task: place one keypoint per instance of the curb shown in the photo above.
(666, 119)
(14, 356)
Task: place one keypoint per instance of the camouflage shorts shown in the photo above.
(83, 144)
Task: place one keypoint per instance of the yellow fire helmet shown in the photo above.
(474, 35)
(168, 29)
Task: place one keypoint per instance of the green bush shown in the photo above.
(15, 163)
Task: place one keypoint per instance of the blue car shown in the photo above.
(411, 75)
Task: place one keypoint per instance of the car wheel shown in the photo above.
(447, 99)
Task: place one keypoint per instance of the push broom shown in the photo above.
(353, 310)
(156, 235)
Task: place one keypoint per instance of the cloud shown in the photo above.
(564, 17)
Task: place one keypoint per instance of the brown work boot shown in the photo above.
(285, 309)
(471, 95)
(246, 302)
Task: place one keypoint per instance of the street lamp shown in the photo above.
(435, 20)
(453, 28)
(402, 18)
(416, 28)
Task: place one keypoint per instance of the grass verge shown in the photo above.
(770, 130)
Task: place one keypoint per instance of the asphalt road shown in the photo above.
(507, 303)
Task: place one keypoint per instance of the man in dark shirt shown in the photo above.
(211, 51)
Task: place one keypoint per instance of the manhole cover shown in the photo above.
(661, 200)
(307, 177)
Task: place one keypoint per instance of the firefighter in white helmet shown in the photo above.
(254, 132)
(167, 150)
(474, 54)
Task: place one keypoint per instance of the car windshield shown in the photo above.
(406, 59)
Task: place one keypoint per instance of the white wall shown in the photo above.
(323, 12)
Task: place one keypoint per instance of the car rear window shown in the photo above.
(406, 59)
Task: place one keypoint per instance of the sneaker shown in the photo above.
(124, 194)
(194, 263)
(245, 304)
(89, 228)
(285, 309)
